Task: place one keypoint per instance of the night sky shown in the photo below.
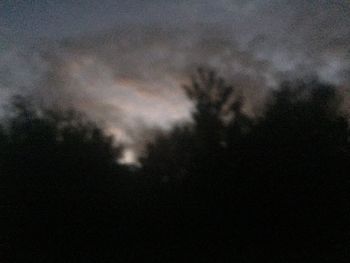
(123, 62)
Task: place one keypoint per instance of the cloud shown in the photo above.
(129, 74)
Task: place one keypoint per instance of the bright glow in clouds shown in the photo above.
(155, 104)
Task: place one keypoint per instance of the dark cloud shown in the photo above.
(124, 61)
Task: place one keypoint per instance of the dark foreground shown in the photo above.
(226, 188)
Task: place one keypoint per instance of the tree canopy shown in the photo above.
(277, 184)
(225, 187)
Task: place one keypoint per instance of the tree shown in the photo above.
(292, 170)
(58, 183)
(196, 147)
(274, 187)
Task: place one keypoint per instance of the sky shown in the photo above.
(123, 62)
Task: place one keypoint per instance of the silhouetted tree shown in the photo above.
(58, 174)
(225, 187)
(190, 146)
(294, 173)
(273, 188)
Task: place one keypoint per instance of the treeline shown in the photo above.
(227, 187)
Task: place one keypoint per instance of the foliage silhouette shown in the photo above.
(57, 174)
(225, 187)
(272, 188)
